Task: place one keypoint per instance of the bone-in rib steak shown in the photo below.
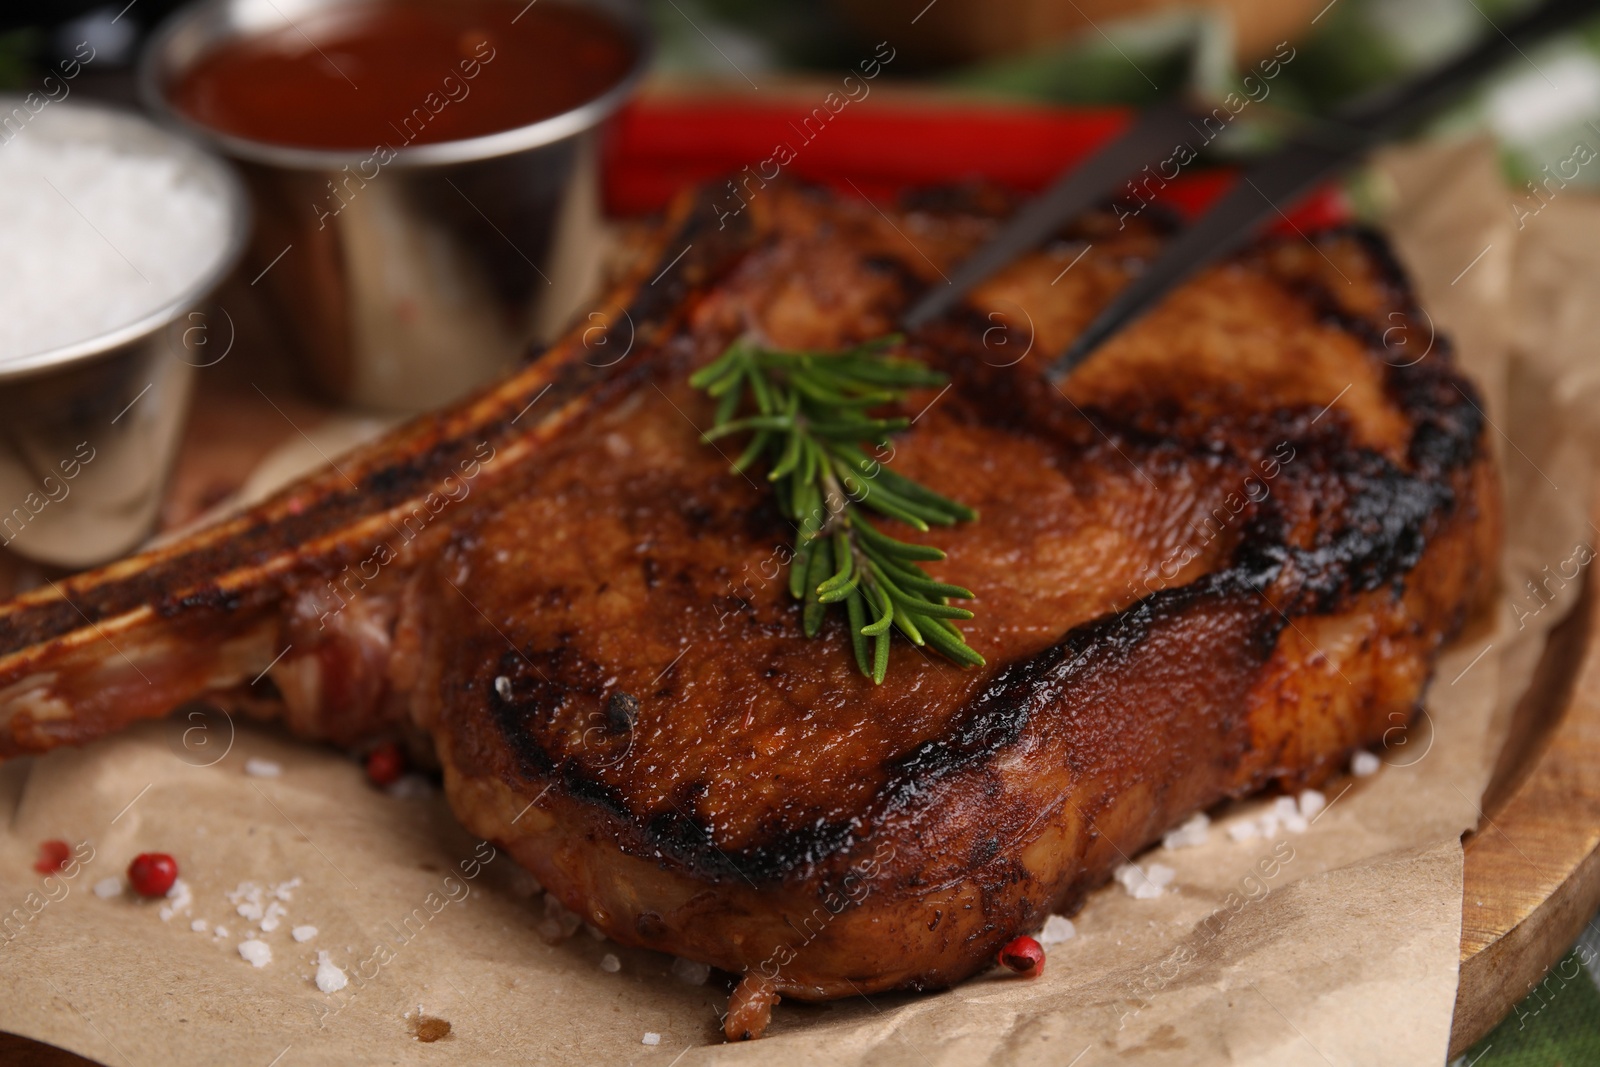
(1225, 552)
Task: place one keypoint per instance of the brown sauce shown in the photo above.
(406, 72)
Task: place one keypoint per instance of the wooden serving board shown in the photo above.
(1533, 865)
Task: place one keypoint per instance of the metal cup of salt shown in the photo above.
(408, 276)
(98, 354)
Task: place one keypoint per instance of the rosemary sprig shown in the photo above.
(812, 412)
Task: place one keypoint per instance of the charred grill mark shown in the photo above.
(1386, 524)
(208, 599)
(1000, 714)
(994, 721)
(563, 683)
(541, 688)
(678, 836)
(581, 786)
(622, 712)
(532, 759)
(1380, 254)
(1445, 409)
(907, 284)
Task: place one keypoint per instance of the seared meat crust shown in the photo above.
(1193, 577)
(1225, 553)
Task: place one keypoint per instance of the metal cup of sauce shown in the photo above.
(89, 428)
(424, 175)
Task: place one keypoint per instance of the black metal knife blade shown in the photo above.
(1151, 138)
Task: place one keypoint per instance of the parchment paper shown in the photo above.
(1345, 953)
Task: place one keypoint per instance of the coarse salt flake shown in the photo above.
(1145, 883)
(1364, 764)
(330, 978)
(651, 1038)
(106, 888)
(1287, 811)
(690, 972)
(199, 926)
(274, 915)
(1057, 928)
(560, 922)
(179, 899)
(1243, 830)
(1311, 802)
(1191, 834)
(409, 787)
(523, 883)
(502, 686)
(1293, 814)
(303, 933)
(247, 901)
(610, 964)
(258, 952)
(262, 768)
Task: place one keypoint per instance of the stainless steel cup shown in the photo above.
(88, 431)
(408, 282)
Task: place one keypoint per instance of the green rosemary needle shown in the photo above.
(811, 415)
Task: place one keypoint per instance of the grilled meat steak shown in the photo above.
(1225, 553)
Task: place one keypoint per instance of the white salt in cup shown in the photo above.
(92, 423)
